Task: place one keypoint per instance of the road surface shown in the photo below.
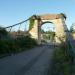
(32, 62)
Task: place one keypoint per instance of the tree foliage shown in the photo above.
(3, 31)
(10, 45)
(72, 28)
(48, 35)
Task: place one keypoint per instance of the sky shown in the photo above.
(14, 11)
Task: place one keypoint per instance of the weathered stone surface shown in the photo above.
(57, 19)
(50, 16)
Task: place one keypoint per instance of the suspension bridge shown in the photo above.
(35, 23)
(18, 24)
(37, 60)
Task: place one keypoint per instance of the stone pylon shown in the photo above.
(57, 19)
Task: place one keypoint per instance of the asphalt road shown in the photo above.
(32, 62)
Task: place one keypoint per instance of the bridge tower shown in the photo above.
(57, 19)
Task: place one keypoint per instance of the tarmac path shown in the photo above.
(32, 62)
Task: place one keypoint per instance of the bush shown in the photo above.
(3, 33)
(26, 42)
(9, 46)
(62, 60)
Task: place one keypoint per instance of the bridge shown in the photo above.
(35, 61)
(35, 23)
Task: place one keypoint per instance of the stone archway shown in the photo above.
(47, 33)
(57, 19)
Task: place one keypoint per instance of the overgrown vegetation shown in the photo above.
(11, 45)
(31, 23)
(62, 62)
(47, 35)
(3, 32)
(72, 28)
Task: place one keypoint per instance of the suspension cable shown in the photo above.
(19, 23)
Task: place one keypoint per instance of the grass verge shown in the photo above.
(62, 62)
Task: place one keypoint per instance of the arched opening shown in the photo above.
(47, 32)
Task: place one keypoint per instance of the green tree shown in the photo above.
(72, 28)
(3, 32)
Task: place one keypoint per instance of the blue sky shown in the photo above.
(14, 11)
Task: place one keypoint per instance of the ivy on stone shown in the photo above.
(31, 23)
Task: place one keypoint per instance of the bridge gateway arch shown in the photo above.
(57, 19)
